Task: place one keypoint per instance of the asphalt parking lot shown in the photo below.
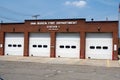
(12, 70)
(36, 68)
(69, 61)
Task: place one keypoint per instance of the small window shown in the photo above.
(98, 47)
(9, 45)
(14, 45)
(61, 46)
(105, 47)
(92, 47)
(67, 47)
(44, 46)
(19, 45)
(40, 46)
(34, 46)
(73, 47)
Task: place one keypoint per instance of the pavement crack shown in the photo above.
(56, 72)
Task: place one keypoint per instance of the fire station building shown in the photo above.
(55, 38)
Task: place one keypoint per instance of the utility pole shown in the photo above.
(119, 22)
(119, 29)
(35, 16)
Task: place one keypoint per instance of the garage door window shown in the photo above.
(92, 47)
(98, 47)
(67, 47)
(39, 46)
(73, 47)
(105, 47)
(44, 46)
(9, 45)
(34, 46)
(61, 46)
(19, 45)
(14, 45)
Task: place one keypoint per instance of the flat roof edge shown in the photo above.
(55, 19)
(100, 21)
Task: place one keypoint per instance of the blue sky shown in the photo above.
(20, 10)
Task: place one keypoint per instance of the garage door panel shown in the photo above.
(68, 45)
(97, 56)
(39, 44)
(14, 44)
(99, 45)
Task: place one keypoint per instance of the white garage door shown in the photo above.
(14, 44)
(68, 45)
(99, 45)
(39, 44)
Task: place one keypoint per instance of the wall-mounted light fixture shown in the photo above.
(13, 29)
(99, 28)
(39, 29)
(67, 29)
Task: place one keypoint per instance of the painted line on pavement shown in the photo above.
(108, 63)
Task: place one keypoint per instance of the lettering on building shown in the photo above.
(53, 23)
(53, 27)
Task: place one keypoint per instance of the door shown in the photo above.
(99, 45)
(39, 44)
(14, 44)
(68, 45)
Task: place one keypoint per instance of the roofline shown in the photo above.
(100, 21)
(11, 23)
(61, 20)
(56, 19)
